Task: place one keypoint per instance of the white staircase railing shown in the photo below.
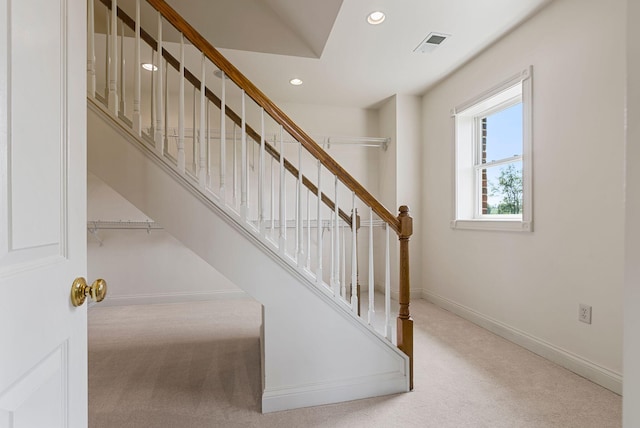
(204, 119)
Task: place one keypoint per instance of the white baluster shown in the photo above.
(152, 98)
(388, 319)
(332, 273)
(194, 133)
(208, 143)
(273, 199)
(283, 212)
(336, 239)
(181, 137)
(223, 138)
(107, 53)
(261, 175)
(123, 104)
(137, 91)
(235, 167)
(319, 225)
(91, 55)
(343, 266)
(354, 255)
(299, 247)
(166, 111)
(244, 178)
(371, 313)
(308, 264)
(202, 171)
(113, 60)
(159, 85)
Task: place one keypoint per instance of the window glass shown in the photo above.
(503, 134)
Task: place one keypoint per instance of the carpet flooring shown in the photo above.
(197, 365)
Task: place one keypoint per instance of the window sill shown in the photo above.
(514, 225)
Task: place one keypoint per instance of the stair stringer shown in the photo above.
(315, 351)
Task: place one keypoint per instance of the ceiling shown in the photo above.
(343, 60)
(283, 27)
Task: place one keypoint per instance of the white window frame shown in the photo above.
(467, 213)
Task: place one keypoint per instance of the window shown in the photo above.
(493, 158)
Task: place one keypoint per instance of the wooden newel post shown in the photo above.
(405, 322)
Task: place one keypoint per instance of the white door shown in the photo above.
(43, 346)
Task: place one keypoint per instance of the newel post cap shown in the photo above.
(406, 222)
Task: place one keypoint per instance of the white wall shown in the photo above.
(388, 184)
(631, 411)
(409, 178)
(387, 180)
(400, 179)
(141, 267)
(527, 286)
(330, 121)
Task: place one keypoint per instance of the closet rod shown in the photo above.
(94, 225)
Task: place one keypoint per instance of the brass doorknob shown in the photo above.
(80, 290)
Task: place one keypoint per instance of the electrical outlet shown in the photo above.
(584, 313)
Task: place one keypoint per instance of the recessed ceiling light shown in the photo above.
(295, 82)
(376, 17)
(149, 67)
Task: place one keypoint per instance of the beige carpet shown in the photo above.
(197, 365)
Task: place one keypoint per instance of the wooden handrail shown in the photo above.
(235, 118)
(274, 111)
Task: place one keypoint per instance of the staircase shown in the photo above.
(200, 149)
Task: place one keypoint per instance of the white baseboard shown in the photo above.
(163, 298)
(277, 399)
(577, 364)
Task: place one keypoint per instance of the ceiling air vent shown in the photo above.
(431, 42)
